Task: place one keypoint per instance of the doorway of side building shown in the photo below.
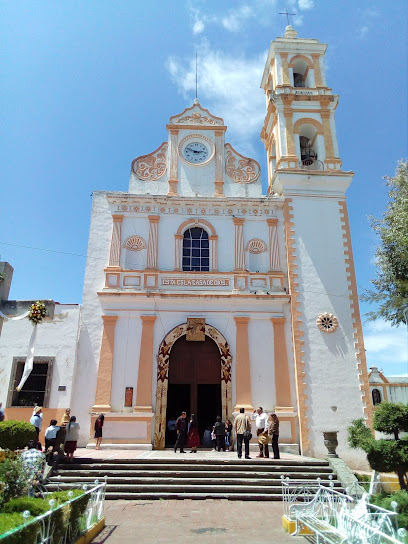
(194, 382)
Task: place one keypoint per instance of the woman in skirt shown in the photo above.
(193, 437)
(71, 438)
(98, 431)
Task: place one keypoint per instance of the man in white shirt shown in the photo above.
(262, 426)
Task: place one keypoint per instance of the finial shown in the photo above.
(287, 15)
(196, 101)
(290, 32)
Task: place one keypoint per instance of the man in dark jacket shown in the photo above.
(219, 431)
(181, 428)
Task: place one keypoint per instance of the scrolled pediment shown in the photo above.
(239, 168)
(196, 115)
(153, 166)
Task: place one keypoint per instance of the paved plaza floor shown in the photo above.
(190, 521)
(194, 521)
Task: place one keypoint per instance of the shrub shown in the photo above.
(35, 506)
(13, 477)
(14, 520)
(401, 498)
(16, 434)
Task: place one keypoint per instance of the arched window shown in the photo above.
(376, 396)
(196, 250)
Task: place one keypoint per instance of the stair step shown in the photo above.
(194, 496)
(153, 479)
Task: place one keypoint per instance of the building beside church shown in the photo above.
(203, 294)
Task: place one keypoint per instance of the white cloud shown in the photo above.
(229, 87)
(198, 26)
(362, 32)
(385, 345)
(306, 4)
(235, 18)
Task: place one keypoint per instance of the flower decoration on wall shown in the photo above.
(327, 322)
(37, 312)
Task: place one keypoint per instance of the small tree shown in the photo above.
(384, 455)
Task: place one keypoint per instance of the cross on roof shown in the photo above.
(287, 14)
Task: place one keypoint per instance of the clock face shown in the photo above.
(196, 152)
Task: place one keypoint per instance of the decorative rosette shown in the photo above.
(37, 312)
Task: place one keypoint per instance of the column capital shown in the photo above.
(109, 318)
(218, 132)
(148, 318)
(241, 320)
(213, 237)
(272, 221)
(325, 113)
(278, 320)
(174, 131)
(315, 55)
(154, 218)
(238, 220)
(283, 55)
(178, 236)
(117, 218)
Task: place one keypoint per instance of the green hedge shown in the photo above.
(401, 498)
(24, 536)
(16, 434)
(70, 513)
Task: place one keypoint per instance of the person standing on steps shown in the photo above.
(71, 438)
(262, 426)
(181, 428)
(36, 420)
(193, 437)
(273, 431)
(219, 430)
(242, 428)
(98, 431)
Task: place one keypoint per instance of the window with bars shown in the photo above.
(196, 250)
(35, 391)
(376, 395)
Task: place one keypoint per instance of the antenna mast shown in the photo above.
(196, 77)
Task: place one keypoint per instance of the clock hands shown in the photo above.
(193, 150)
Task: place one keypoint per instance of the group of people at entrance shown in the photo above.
(267, 429)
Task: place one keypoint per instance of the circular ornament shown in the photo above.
(37, 312)
(327, 322)
(134, 243)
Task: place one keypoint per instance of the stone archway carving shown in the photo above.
(163, 377)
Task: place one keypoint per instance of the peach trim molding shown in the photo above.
(297, 332)
(355, 313)
(153, 244)
(219, 156)
(243, 366)
(114, 256)
(239, 168)
(317, 70)
(196, 222)
(163, 359)
(105, 368)
(173, 177)
(145, 372)
(239, 243)
(282, 377)
(196, 117)
(274, 260)
(301, 57)
(307, 121)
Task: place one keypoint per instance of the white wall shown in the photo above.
(55, 338)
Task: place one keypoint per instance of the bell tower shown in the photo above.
(304, 169)
(299, 132)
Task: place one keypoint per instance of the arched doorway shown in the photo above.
(194, 381)
(187, 359)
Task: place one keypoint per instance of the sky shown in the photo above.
(88, 85)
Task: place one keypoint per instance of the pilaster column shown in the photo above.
(290, 137)
(214, 252)
(114, 256)
(152, 245)
(282, 377)
(178, 244)
(274, 261)
(317, 70)
(144, 375)
(173, 175)
(285, 69)
(219, 155)
(243, 366)
(239, 243)
(104, 379)
(328, 141)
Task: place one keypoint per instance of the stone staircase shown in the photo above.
(192, 478)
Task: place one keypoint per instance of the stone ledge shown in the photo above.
(92, 532)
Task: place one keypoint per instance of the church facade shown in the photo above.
(203, 294)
